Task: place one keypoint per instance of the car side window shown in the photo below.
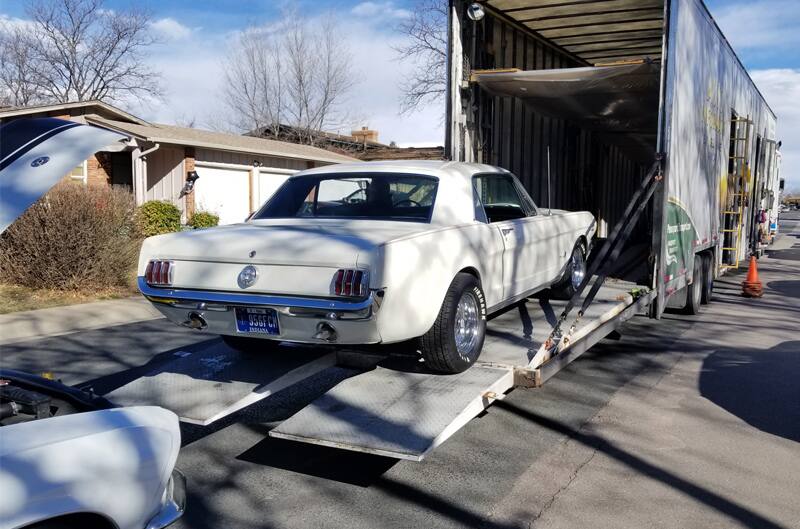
(500, 197)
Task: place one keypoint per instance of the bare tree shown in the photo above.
(18, 82)
(254, 85)
(74, 50)
(294, 74)
(426, 48)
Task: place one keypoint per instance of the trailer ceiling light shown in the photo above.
(475, 12)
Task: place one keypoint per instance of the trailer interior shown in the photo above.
(564, 94)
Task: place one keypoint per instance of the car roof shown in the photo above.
(440, 168)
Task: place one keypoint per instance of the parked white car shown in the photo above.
(365, 253)
(68, 460)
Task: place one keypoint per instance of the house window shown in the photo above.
(78, 174)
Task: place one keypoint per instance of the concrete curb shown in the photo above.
(54, 321)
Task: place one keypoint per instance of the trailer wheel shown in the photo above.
(249, 345)
(455, 341)
(694, 292)
(574, 273)
(708, 278)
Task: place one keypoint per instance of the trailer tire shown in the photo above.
(694, 292)
(249, 345)
(462, 315)
(574, 273)
(708, 278)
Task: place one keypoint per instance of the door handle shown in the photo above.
(506, 231)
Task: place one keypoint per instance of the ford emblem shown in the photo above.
(40, 161)
(248, 276)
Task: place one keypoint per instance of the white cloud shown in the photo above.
(11, 23)
(171, 29)
(192, 71)
(767, 25)
(781, 89)
(382, 10)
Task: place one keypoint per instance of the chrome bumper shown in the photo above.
(300, 317)
(174, 502)
(288, 305)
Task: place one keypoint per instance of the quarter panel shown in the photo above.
(417, 272)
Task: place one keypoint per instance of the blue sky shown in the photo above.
(196, 33)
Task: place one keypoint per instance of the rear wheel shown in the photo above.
(249, 345)
(708, 278)
(694, 292)
(574, 273)
(455, 341)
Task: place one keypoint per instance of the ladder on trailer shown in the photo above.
(736, 199)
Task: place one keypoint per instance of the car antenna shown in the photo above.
(549, 203)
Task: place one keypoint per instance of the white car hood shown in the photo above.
(37, 153)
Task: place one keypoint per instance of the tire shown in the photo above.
(694, 292)
(574, 273)
(707, 294)
(440, 349)
(249, 345)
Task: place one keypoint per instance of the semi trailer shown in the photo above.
(578, 99)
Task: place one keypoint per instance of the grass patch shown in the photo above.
(18, 298)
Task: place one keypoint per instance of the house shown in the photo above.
(237, 173)
(362, 144)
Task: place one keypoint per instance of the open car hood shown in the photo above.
(36, 153)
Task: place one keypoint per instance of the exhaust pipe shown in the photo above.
(325, 331)
(195, 321)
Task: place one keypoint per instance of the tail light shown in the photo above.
(351, 283)
(159, 273)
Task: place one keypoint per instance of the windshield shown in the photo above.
(385, 196)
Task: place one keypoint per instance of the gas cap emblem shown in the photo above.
(41, 160)
(248, 276)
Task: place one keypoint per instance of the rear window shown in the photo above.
(356, 196)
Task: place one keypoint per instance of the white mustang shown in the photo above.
(364, 253)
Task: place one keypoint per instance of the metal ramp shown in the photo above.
(396, 414)
(405, 415)
(207, 385)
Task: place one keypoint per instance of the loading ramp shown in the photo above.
(406, 414)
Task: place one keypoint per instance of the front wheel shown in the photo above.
(573, 276)
(455, 341)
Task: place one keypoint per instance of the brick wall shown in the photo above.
(98, 169)
(188, 166)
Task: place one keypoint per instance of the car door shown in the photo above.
(518, 224)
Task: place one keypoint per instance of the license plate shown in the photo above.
(257, 321)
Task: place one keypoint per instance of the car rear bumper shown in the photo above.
(300, 318)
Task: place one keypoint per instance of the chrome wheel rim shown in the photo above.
(467, 324)
(578, 269)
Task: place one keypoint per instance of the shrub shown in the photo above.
(156, 217)
(204, 219)
(75, 237)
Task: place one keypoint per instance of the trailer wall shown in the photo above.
(706, 85)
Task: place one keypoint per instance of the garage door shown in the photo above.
(224, 192)
(267, 183)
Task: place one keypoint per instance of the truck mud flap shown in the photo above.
(207, 385)
(396, 414)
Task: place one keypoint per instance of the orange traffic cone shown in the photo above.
(751, 286)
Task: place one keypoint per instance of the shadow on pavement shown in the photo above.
(353, 468)
(787, 288)
(765, 392)
(709, 498)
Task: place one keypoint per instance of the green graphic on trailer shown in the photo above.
(681, 235)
